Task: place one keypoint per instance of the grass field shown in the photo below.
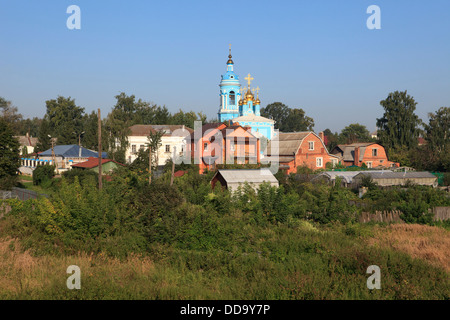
(301, 262)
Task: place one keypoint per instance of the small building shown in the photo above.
(173, 137)
(92, 164)
(346, 177)
(296, 149)
(27, 142)
(371, 154)
(388, 179)
(232, 179)
(64, 156)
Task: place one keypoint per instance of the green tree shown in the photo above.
(10, 114)
(355, 132)
(332, 139)
(276, 111)
(287, 119)
(65, 119)
(298, 121)
(438, 130)
(44, 133)
(9, 154)
(399, 126)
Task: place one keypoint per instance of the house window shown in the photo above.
(319, 162)
(167, 147)
(369, 164)
(133, 148)
(141, 147)
(374, 152)
(311, 145)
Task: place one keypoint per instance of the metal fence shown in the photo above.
(19, 193)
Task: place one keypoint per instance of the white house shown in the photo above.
(173, 137)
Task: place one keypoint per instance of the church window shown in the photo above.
(167, 147)
(232, 98)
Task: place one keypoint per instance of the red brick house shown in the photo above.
(370, 153)
(300, 149)
(221, 143)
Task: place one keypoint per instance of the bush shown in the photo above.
(43, 174)
(82, 174)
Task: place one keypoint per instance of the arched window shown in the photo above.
(232, 98)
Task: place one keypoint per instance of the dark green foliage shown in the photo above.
(287, 119)
(65, 119)
(9, 155)
(43, 174)
(355, 132)
(399, 125)
(413, 201)
(83, 175)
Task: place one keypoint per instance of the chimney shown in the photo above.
(356, 157)
(321, 136)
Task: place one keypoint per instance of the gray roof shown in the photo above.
(348, 150)
(346, 175)
(288, 143)
(399, 175)
(247, 175)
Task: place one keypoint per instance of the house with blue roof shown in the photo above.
(64, 156)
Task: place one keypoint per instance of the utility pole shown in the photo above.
(99, 151)
(173, 164)
(53, 154)
(149, 164)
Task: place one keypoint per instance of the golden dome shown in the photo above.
(241, 102)
(257, 101)
(229, 59)
(249, 95)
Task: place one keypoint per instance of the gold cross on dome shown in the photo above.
(257, 91)
(230, 48)
(249, 79)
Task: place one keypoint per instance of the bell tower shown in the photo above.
(229, 92)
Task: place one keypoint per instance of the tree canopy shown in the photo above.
(287, 119)
(399, 126)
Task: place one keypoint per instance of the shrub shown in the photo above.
(42, 174)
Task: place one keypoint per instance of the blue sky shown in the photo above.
(316, 55)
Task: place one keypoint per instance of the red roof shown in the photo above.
(179, 173)
(92, 163)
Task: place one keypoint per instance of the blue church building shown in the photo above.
(239, 105)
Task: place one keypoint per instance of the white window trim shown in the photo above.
(321, 162)
(309, 145)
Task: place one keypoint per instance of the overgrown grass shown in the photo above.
(297, 261)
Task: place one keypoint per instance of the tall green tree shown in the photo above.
(44, 134)
(65, 119)
(9, 155)
(10, 114)
(399, 127)
(438, 130)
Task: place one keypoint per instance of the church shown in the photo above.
(239, 104)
